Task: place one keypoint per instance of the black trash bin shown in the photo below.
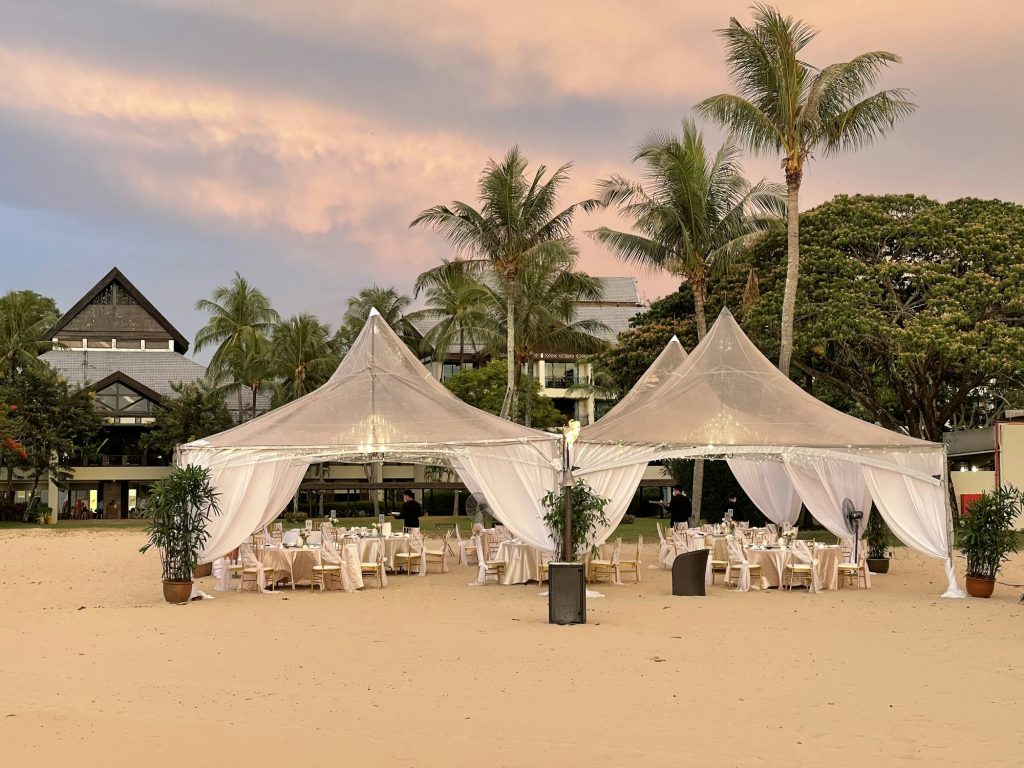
(688, 573)
(567, 593)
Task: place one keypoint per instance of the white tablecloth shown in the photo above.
(522, 562)
(296, 562)
(773, 564)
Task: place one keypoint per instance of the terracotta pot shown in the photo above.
(202, 571)
(980, 587)
(177, 591)
(878, 564)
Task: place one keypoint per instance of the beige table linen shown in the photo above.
(522, 562)
(297, 562)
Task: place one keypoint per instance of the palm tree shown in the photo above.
(25, 317)
(302, 356)
(455, 304)
(787, 106)
(517, 220)
(235, 311)
(696, 215)
(547, 291)
(250, 364)
(388, 302)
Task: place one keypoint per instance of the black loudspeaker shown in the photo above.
(567, 593)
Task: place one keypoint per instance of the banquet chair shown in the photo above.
(441, 555)
(328, 570)
(717, 566)
(277, 531)
(414, 556)
(609, 567)
(633, 566)
(467, 548)
(251, 568)
(851, 573)
(374, 565)
(798, 568)
(737, 564)
(490, 567)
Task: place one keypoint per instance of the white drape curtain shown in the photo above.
(513, 479)
(767, 484)
(618, 486)
(250, 496)
(823, 484)
(915, 510)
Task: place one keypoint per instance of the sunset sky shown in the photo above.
(293, 140)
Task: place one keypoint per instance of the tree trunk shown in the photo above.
(528, 416)
(510, 346)
(697, 493)
(462, 349)
(240, 416)
(792, 267)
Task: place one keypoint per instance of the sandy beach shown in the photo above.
(97, 670)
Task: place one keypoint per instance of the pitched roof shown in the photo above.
(618, 290)
(180, 342)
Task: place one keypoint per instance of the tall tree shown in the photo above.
(484, 388)
(518, 218)
(25, 316)
(548, 289)
(303, 357)
(456, 307)
(388, 302)
(237, 311)
(784, 105)
(694, 214)
(194, 411)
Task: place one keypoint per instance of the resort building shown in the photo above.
(566, 378)
(985, 458)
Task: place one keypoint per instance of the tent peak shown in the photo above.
(675, 339)
(373, 313)
(725, 312)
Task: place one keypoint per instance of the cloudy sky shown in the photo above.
(294, 140)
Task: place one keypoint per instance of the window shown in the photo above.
(450, 369)
(120, 399)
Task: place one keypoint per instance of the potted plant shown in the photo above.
(877, 538)
(986, 537)
(178, 510)
(566, 576)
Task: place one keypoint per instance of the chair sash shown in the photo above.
(249, 560)
(418, 545)
(223, 574)
(803, 554)
(738, 561)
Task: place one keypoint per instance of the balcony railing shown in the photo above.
(564, 382)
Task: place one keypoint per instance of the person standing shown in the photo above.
(679, 508)
(411, 511)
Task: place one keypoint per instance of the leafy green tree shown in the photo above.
(787, 107)
(391, 305)
(302, 355)
(913, 313)
(25, 317)
(518, 219)
(484, 388)
(238, 313)
(54, 423)
(456, 304)
(695, 212)
(196, 410)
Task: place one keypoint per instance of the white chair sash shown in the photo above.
(738, 561)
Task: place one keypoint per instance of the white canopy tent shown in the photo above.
(380, 405)
(726, 400)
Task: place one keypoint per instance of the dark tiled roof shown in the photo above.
(616, 318)
(619, 290)
(155, 370)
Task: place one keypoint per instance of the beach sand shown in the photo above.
(96, 670)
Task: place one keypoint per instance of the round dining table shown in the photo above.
(522, 562)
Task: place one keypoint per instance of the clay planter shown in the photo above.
(980, 587)
(878, 564)
(177, 591)
(202, 571)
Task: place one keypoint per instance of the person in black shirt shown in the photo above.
(679, 508)
(411, 510)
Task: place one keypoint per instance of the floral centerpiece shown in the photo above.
(786, 538)
(304, 535)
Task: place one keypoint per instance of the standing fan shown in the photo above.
(853, 518)
(478, 508)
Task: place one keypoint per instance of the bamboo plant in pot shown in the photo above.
(178, 510)
(878, 540)
(986, 537)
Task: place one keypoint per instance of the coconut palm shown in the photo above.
(236, 311)
(784, 105)
(302, 355)
(455, 306)
(25, 317)
(388, 302)
(696, 214)
(518, 219)
(547, 289)
(250, 364)
(693, 214)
